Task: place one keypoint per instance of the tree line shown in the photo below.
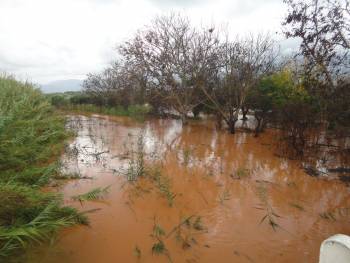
(178, 68)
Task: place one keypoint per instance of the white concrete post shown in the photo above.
(335, 249)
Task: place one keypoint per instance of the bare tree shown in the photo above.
(101, 87)
(242, 63)
(175, 56)
(120, 84)
(324, 29)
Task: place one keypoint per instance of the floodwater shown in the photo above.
(249, 204)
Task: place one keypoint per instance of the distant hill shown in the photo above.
(62, 86)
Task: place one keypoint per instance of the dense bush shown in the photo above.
(31, 139)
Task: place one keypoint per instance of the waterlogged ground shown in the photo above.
(209, 197)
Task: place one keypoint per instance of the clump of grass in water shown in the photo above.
(136, 167)
(186, 155)
(198, 225)
(297, 206)
(336, 213)
(158, 233)
(159, 247)
(184, 230)
(270, 216)
(242, 172)
(225, 196)
(328, 216)
(32, 138)
(163, 184)
(94, 194)
(137, 252)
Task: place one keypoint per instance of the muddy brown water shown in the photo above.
(230, 182)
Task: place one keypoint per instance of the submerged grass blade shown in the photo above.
(94, 194)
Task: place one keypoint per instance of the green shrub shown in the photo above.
(31, 140)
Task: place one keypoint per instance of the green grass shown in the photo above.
(32, 138)
(198, 225)
(137, 252)
(163, 184)
(270, 215)
(158, 247)
(242, 172)
(186, 156)
(224, 196)
(297, 206)
(137, 166)
(158, 233)
(94, 194)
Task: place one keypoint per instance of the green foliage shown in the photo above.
(31, 139)
(197, 224)
(224, 196)
(79, 98)
(137, 112)
(242, 172)
(297, 206)
(186, 156)
(271, 216)
(158, 231)
(158, 247)
(30, 132)
(163, 183)
(280, 89)
(94, 194)
(137, 167)
(328, 216)
(28, 216)
(137, 252)
(59, 101)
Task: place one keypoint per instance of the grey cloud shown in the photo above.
(69, 44)
(177, 3)
(242, 8)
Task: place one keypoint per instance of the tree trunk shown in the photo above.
(218, 123)
(261, 119)
(258, 127)
(184, 119)
(244, 113)
(231, 125)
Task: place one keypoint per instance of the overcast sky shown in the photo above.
(46, 40)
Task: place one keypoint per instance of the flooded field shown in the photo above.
(204, 196)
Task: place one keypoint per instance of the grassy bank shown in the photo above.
(137, 112)
(82, 103)
(32, 138)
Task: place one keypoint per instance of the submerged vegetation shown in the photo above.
(183, 233)
(270, 215)
(31, 140)
(94, 194)
(163, 184)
